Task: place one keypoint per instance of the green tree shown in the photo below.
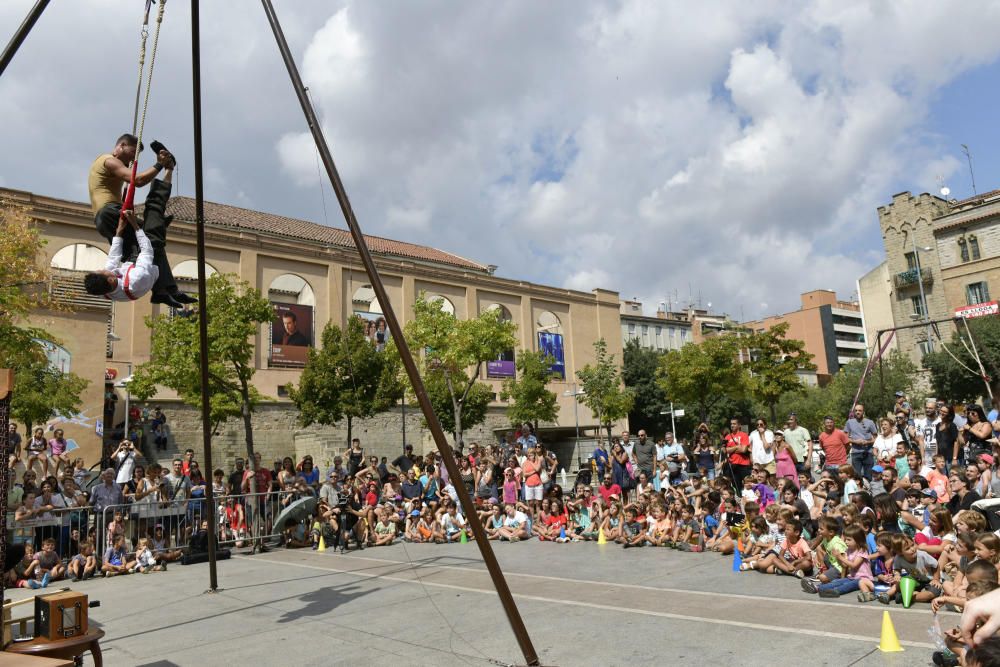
(639, 372)
(774, 365)
(454, 353)
(701, 374)
(346, 379)
(42, 392)
(960, 380)
(236, 311)
(532, 401)
(604, 393)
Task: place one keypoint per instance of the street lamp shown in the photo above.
(923, 297)
(123, 384)
(576, 413)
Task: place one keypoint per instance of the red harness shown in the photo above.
(125, 288)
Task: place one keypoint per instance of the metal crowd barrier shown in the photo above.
(242, 521)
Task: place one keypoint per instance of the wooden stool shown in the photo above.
(67, 649)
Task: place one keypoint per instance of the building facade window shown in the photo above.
(919, 307)
(645, 335)
(974, 246)
(911, 261)
(963, 249)
(977, 293)
(659, 338)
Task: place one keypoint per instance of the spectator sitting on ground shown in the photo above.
(84, 564)
(116, 560)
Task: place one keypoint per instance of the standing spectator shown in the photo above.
(834, 443)
(903, 405)
(861, 433)
(14, 441)
(178, 484)
(401, 463)
(158, 417)
(103, 496)
(673, 454)
(946, 436)
(798, 437)
(926, 429)
(124, 461)
(600, 458)
(628, 446)
(976, 433)
(186, 462)
(738, 452)
(762, 446)
(355, 457)
(527, 440)
(885, 443)
(645, 454)
(236, 479)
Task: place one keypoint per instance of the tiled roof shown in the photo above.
(222, 215)
(980, 197)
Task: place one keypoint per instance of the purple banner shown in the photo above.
(500, 369)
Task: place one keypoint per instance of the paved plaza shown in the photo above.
(434, 605)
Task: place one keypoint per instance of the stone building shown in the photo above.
(311, 270)
(949, 248)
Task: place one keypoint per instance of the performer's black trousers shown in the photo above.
(154, 225)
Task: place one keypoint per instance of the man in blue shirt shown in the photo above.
(600, 456)
(861, 433)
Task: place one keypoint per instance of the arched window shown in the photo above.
(186, 275)
(503, 365)
(365, 301)
(290, 288)
(549, 331)
(80, 257)
(446, 305)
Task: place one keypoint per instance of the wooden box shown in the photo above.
(60, 615)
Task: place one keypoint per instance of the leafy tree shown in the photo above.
(474, 405)
(454, 353)
(236, 311)
(346, 379)
(639, 371)
(774, 362)
(898, 373)
(602, 384)
(532, 402)
(700, 375)
(955, 381)
(40, 391)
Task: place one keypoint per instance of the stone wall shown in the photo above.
(277, 434)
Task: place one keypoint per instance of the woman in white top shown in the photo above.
(762, 446)
(885, 443)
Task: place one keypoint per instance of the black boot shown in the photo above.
(167, 300)
(184, 298)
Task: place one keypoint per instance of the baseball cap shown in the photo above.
(930, 493)
(878, 469)
(986, 458)
(900, 393)
(415, 513)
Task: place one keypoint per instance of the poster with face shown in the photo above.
(291, 334)
(376, 329)
(551, 344)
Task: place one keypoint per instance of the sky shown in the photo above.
(729, 153)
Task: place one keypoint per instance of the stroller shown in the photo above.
(991, 510)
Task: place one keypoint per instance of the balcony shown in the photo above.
(908, 278)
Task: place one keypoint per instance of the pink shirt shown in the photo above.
(864, 571)
(57, 447)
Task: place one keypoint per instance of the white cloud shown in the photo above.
(636, 145)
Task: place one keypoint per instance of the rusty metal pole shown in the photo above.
(199, 207)
(503, 591)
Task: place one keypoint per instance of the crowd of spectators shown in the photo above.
(850, 510)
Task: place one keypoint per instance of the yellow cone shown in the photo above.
(322, 544)
(890, 642)
(600, 537)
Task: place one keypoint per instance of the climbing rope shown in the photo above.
(139, 122)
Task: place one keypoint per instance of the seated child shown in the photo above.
(145, 561)
(612, 525)
(385, 530)
(792, 557)
(909, 561)
(977, 571)
(831, 544)
(660, 530)
(84, 564)
(854, 565)
(881, 564)
(632, 531)
(116, 560)
(24, 571)
(453, 524)
(161, 547)
(687, 531)
(48, 566)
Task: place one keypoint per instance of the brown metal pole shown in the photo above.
(6, 393)
(22, 32)
(199, 208)
(510, 607)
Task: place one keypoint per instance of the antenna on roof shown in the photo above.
(972, 174)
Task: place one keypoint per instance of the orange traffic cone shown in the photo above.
(889, 642)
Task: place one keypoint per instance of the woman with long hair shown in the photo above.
(620, 474)
(533, 488)
(785, 460)
(976, 433)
